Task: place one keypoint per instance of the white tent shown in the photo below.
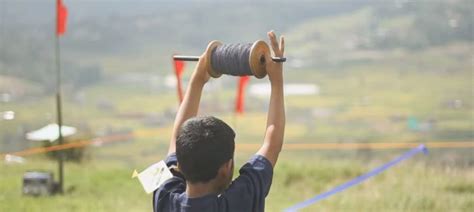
(295, 89)
(50, 132)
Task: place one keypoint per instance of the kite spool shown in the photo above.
(235, 59)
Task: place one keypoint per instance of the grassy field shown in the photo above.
(367, 103)
(104, 184)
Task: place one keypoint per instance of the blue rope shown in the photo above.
(357, 180)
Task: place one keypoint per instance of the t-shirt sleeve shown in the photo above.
(172, 163)
(248, 191)
(171, 160)
(162, 195)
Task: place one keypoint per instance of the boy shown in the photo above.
(201, 152)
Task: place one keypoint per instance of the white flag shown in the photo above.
(152, 177)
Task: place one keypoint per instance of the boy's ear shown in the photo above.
(229, 164)
(226, 167)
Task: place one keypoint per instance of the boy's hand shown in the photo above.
(201, 74)
(274, 69)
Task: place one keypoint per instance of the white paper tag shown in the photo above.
(153, 176)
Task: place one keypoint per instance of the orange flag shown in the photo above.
(178, 70)
(61, 13)
(239, 103)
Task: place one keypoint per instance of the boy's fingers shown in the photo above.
(273, 41)
(282, 45)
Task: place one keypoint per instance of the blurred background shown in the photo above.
(360, 71)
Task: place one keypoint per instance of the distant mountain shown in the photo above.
(113, 36)
(371, 33)
(144, 33)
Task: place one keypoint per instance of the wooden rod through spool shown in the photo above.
(186, 58)
(256, 58)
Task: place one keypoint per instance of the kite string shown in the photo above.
(232, 59)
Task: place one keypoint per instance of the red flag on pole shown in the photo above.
(239, 103)
(178, 69)
(61, 13)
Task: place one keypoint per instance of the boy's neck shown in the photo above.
(201, 189)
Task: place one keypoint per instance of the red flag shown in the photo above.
(239, 103)
(178, 69)
(61, 13)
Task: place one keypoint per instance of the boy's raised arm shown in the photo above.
(275, 130)
(190, 105)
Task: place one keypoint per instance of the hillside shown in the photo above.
(116, 36)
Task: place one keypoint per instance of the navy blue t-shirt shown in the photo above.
(246, 193)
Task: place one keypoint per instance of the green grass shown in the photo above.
(91, 187)
(105, 185)
(409, 186)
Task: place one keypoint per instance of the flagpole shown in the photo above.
(3, 15)
(59, 106)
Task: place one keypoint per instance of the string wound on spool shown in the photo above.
(232, 59)
(235, 59)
